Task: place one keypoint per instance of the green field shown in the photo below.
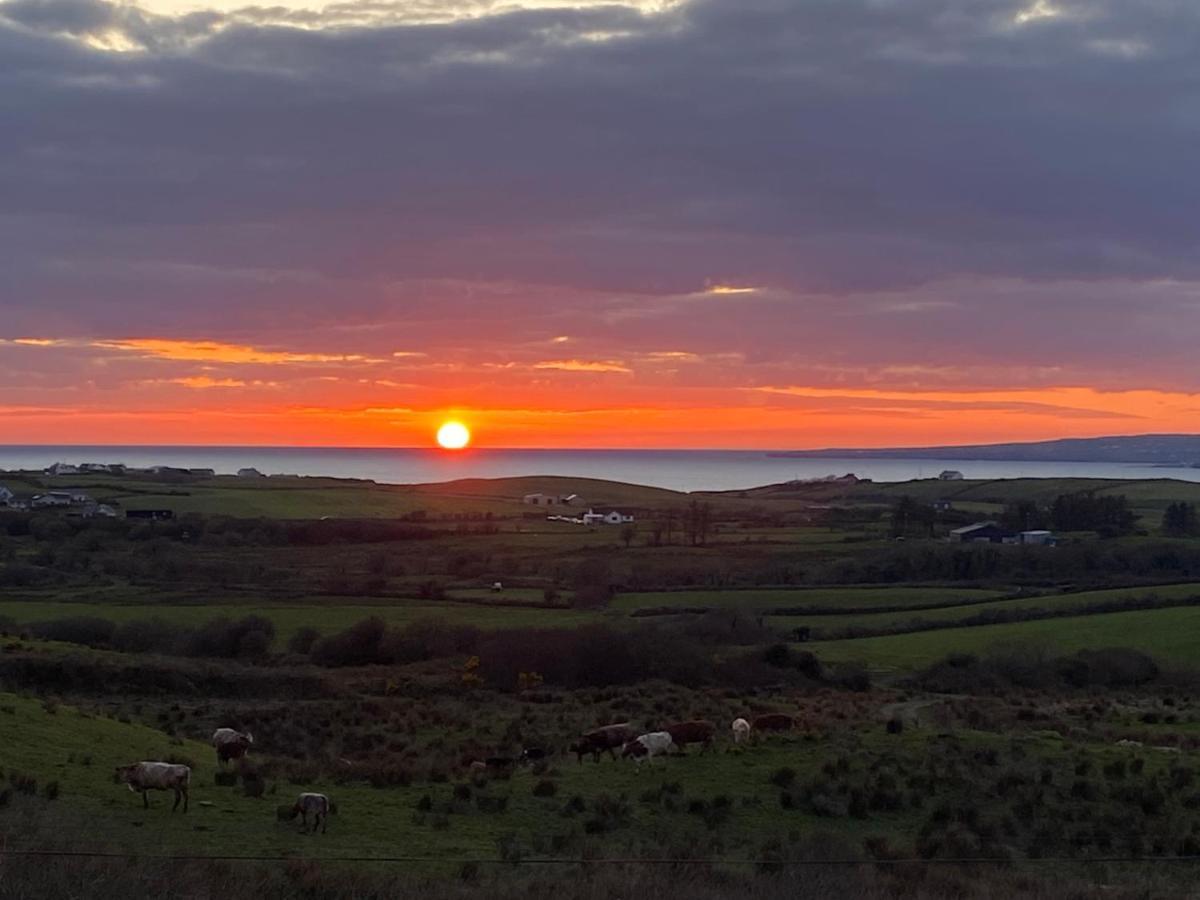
(1172, 635)
(80, 751)
(289, 618)
(952, 613)
(849, 597)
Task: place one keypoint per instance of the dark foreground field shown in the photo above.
(978, 720)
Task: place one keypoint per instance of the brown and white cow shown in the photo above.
(598, 740)
(157, 776)
(231, 744)
(648, 746)
(318, 805)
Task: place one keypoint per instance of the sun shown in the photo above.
(453, 436)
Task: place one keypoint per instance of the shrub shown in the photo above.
(90, 631)
(301, 642)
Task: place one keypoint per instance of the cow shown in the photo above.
(231, 744)
(533, 755)
(500, 764)
(695, 732)
(741, 730)
(648, 746)
(598, 740)
(318, 805)
(157, 776)
(774, 722)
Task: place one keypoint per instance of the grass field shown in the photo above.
(1171, 635)
(849, 597)
(950, 613)
(80, 751)
(289, 618)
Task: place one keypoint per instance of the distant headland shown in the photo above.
(1153, 449)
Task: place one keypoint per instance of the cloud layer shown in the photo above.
(719, 205)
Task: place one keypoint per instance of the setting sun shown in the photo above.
(453, 436)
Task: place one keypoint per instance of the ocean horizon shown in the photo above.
(682, 470)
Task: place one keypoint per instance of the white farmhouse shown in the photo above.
(950, 475)
(62, 469)
(249, 472)
(606, 517)
(5, 495)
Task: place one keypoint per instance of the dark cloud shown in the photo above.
(910, 179)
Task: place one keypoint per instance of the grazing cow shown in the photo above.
(477, 767)
(695, 732)
(318, 805)
(648, 746)
(774, 722)
(741, 730)
(157, 776)
(500, 763)
(598, 740)
(231, 744)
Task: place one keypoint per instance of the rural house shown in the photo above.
(606, 517)
(950, 475)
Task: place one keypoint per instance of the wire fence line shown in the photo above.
(593, 861)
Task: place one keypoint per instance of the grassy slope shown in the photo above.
(1172, 635)
(375, 821)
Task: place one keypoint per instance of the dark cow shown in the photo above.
(533, 755)
(695, 732)
(609, 738)
(500, 763)
(774, 722)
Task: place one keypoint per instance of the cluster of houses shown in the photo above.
(592, 516)
(596, 517)
(60, 468)
(76, 501)
(992, 533)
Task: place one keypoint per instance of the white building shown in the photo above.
(950, 475)
(54, 498)
(103, 510)
(606, 517)
(249, 472)
(62, 469)
(5, 495)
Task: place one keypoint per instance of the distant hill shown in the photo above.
(1153, 449)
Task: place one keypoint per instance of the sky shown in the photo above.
(667, 223)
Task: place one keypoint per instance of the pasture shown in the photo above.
(1171, 635)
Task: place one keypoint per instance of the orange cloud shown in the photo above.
(217, 352)
(583, 365)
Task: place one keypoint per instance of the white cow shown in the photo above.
(741, 730)
(318, 805)
(157, 776)
(231, 744)
(648, 746)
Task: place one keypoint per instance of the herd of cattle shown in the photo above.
(230, 744)
(147, 776)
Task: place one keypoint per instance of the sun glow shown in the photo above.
(453, 436)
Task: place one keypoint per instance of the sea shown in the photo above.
(681, 470)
